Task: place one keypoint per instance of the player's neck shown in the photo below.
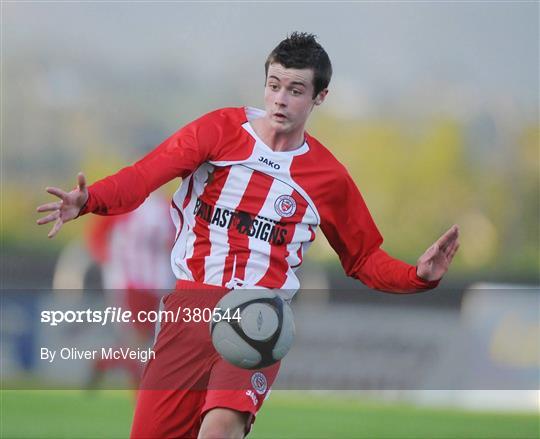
(276, 140)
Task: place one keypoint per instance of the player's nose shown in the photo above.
(281, 98)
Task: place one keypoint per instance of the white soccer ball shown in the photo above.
(252, 329)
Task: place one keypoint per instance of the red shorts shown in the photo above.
(187, 377)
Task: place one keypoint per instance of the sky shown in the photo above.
(377, 49)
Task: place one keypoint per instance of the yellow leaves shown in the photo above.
(420, 177)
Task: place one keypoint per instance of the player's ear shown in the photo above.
(319, 99)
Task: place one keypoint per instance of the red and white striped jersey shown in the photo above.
(245, 215)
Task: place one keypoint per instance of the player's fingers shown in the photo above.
(450, 235)
(430, 253)
(49, 206)
(57, 225)
(58, 192)
(449, 247)
(81, 181)
(454, 246)
(450, 256)
(453, 252)
(47, 219)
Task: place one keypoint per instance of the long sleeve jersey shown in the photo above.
(245, 215)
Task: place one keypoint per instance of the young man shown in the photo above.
(255, 188)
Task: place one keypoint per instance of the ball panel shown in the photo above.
(286, 336)
(233, 348)
(259, 321)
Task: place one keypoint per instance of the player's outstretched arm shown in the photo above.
(67, 208)
(436, 260)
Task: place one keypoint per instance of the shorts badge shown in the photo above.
(259, 383)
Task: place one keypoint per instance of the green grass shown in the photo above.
(107, 414)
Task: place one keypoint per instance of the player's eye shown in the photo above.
(273, 87)
(296, 92)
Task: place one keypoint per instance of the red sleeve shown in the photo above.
(352, 233)
(178, 156)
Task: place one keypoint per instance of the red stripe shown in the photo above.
(299, 256)
(188, 194)
(201, 229)
(187, 199)
(252, 202)
(181, 216)
(276, 274)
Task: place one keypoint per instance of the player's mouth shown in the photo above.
(280, 116)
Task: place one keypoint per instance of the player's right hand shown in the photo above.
(67, 208)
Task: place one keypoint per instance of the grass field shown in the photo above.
(107, 414)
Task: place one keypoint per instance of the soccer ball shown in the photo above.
(252, 329)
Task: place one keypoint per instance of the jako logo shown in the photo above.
(269, 162)
(253, 397)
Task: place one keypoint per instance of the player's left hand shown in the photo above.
(434, 263)
(67, 209)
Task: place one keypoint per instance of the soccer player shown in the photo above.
(255, 188)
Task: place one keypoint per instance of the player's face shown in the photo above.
(288, 97)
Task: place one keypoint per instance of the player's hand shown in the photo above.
(434, 263)
(67, 208)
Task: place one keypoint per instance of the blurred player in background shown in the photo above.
(255, 188)
(133, 252)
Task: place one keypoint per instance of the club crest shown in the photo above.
(259, 383)
(285, 206)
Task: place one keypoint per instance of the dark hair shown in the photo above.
(300, 50)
